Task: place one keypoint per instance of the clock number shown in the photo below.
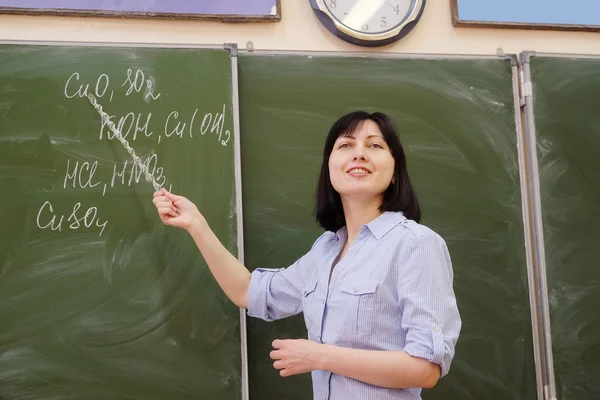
(365, 27)
(333, 4)
(397, 9)
(383, 22)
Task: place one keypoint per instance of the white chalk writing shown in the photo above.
(74, 177)
(89, 219)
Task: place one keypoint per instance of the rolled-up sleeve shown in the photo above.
(276, 293)
(430, 318)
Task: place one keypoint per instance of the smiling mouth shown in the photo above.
(358, 171)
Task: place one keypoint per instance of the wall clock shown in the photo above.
(369, 23)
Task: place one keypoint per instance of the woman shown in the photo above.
(376, 286)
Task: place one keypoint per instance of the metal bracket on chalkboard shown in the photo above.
(232, 47)
(526, 85)
(512, 58)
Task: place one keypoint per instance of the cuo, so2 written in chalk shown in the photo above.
(134, 83)
(130, 123)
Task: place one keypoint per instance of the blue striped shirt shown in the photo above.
(393, 290)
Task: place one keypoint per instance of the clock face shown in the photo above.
(370, 16)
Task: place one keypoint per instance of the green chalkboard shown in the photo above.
(457, 122)
(98, 299)
(567, 130)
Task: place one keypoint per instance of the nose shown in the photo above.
(359, 152)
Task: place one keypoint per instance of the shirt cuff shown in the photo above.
(260, 283)
(427, 344)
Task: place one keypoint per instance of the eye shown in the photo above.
(343, 145)
(376, 145)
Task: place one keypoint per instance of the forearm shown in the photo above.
(392, 369)
(231, 275)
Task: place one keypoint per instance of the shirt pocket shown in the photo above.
(309, 305)
(358, 301)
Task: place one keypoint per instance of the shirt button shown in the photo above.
(435, 329)
(354, 290)
(304, 293)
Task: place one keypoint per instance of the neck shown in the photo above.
(359, 212)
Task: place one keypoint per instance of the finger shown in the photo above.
(164, 211)
(279, 364)
(166, 204)
(275, 355)
(171, 196)
(160, 199)
(285, 372)
(278, 343)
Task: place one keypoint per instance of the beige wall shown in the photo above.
(299, 30)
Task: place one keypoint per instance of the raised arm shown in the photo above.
(231, 275)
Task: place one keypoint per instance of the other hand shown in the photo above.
(296, 356)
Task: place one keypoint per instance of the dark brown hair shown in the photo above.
(399, 196)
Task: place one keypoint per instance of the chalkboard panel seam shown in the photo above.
(538, 247)
(528, 236)
(235, 100)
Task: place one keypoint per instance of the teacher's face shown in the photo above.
(361, 165)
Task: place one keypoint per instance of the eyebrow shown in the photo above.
(368, 137)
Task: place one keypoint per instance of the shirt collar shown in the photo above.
(380, 226)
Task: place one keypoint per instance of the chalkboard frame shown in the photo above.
(145, 15)
(522, 155)
(529, 118)
(458, 22)
(537, 319)
(537, 225)
(232, 48)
